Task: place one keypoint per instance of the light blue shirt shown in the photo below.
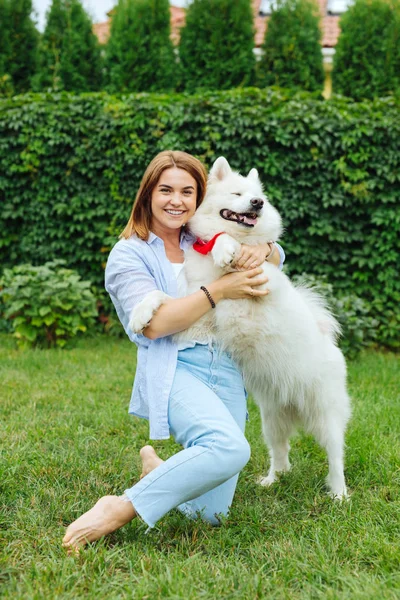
(134, 269)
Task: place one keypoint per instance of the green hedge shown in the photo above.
(70, 167)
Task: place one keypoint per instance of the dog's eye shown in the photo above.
(236, 193)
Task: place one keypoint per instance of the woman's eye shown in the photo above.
(187, 192)
(164, 190)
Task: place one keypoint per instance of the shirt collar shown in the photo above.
(187, 239)
(152, 237)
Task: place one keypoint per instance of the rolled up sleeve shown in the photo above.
(281, 255)
(128, 280)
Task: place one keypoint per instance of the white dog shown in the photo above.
(284, 342)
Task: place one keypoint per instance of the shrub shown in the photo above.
(367, 58)
(359, 328)
(216, 46)
(292, 52)
(69, 51)
(47, 305)
(6, 85)
(70, 167)
(139, 54)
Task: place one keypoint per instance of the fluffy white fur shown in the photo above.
(285, 343)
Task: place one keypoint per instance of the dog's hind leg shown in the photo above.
(277, 429)
(331, 437)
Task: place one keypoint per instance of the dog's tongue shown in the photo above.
(247, 219)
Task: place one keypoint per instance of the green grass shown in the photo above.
(66, 439)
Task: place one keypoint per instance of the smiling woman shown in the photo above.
(173, 181)
(191, 390)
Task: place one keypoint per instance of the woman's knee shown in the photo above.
(233, 454)
(243, 453)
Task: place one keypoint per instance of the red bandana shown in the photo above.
(205, 247)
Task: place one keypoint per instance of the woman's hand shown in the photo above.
(251, 256)
(240, 284)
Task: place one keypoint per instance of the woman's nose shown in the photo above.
(176, 200)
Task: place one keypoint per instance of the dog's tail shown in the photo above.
(318, 305)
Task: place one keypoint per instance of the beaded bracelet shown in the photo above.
(207, 293)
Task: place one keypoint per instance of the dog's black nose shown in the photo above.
(257, 203)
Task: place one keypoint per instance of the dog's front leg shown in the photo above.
(143, 312)
(225, 251)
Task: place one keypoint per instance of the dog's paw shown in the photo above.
(339, 495)
(143, 312)
(225, 251)
(337, 489)
(266, 481)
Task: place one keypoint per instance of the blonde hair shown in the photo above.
(140, 220)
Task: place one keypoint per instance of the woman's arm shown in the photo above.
(178, 314)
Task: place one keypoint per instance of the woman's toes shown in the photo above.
(107, 515)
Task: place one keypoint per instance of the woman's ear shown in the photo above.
(220, 169)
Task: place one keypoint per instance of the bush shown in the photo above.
(359, 328)
(139, 54)
(216, 46)
(292, 52)
(47, 305)
(70, 167)
(69, 51)
(367, 58)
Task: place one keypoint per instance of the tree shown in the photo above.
(367, 58)
(70, 53)
(292, 53)
(139, 54)
(5, 49)
(24, 39)
(216, 47)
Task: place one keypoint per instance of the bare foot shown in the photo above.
(150, 460)
(107, 515)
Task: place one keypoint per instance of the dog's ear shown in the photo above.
(253, 174)
(220, 169)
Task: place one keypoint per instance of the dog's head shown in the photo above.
(236, 205)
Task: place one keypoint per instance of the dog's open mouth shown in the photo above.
(249, 219)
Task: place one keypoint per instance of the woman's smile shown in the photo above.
(173, 212)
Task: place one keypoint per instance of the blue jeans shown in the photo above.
(207, 416)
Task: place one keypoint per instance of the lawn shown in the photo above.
(66, 439)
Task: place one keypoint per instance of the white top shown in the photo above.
(180, 279)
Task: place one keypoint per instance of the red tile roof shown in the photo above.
(178, 16)
(102, 31)
(329, 25)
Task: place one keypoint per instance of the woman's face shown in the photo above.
(173, 200)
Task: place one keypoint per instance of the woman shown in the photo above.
(193, 391)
